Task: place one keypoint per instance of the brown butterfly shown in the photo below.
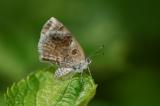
(57, 45)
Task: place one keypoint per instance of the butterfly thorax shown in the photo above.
(82, 65)
(78, 68)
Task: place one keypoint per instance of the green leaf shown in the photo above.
(42, 89)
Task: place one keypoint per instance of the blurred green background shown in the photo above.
(129, 72)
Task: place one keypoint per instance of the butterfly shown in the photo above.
(58, 46)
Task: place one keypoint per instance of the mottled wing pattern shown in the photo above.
(54, 42)
(58, 46)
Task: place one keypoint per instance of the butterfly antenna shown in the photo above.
(97, 52)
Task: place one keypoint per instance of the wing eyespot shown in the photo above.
(74, 51)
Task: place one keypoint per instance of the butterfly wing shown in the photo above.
(58, 46)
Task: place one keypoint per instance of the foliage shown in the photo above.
(42, 89)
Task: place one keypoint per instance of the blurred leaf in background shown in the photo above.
(128, 73)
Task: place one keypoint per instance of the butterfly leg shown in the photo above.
(89, 71)
(82, 81)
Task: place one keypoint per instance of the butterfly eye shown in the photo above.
(74, 51)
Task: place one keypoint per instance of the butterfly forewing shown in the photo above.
(58, 46)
